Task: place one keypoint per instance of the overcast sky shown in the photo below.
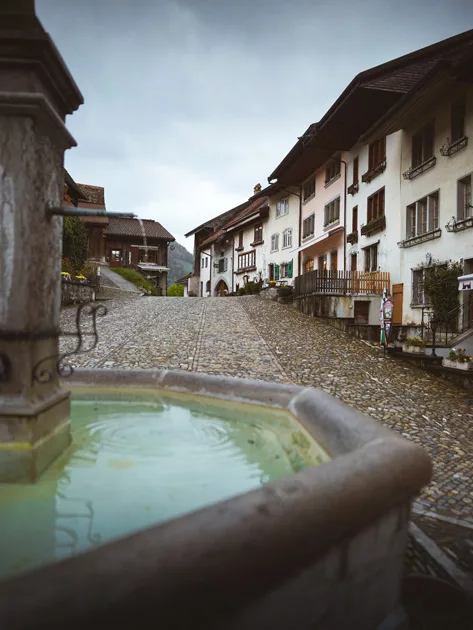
(190, 103)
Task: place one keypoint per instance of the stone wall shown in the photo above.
(73, 292)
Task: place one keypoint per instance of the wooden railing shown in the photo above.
(342, 283)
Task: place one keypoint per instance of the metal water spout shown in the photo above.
(36, 93)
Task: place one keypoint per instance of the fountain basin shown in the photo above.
(322, 547)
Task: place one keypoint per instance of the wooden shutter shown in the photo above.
(276, 272)
(289, 269)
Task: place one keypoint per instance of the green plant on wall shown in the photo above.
(441, 287)
(74, 244)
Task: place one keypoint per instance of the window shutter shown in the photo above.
(276, 272)
(289, 269)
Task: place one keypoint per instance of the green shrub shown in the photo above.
(74, 244)
(137, 279)
(241, 291)
(176, 290)
(441, 287)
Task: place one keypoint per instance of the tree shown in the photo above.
(74, 243)
(176, 290)
(441, 287)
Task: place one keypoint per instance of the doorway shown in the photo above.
(398, 294)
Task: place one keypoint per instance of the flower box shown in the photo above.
(457, 365)
(413, 349)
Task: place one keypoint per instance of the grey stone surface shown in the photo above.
(260, 339)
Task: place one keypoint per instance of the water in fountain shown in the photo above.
(137, 460)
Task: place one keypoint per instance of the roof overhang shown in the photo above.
(151, 267)
(319, 239)
(261, 213)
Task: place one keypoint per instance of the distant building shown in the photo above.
(140, 245)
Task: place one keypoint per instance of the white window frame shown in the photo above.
(287, 238)
(417, 217)
(329, 210)
(283, 267)
(282, 207)
(464, 198)
(275, 242)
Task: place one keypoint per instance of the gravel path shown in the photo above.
(254, 338)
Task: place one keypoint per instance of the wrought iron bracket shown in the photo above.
(43, 374)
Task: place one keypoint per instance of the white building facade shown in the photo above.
(279, 261)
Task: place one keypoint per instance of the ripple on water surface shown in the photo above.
(134, 463)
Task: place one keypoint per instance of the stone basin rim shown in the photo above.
(264, 535)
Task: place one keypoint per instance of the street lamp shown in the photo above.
(434, 323)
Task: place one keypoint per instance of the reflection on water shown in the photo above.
(137, 461)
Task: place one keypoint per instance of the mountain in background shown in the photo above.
(179, 262)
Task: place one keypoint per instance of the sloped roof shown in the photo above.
(369, 95)
(255, 206)
(93, 194)
(218, 221)
(132, 227)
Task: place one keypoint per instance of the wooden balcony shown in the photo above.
(342, 283)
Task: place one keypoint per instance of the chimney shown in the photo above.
(257, 189)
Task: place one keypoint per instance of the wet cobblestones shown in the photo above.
(253, 338)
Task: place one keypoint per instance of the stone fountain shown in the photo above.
(322, 548)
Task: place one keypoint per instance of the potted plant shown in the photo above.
(458, 359)
(414, 345)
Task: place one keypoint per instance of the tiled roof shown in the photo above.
(258, 204)
(93, 194)
(132, 227)
(219, 220)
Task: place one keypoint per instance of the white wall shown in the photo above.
(248, 239)
(388, 251)
(222, 249)
(205, 272)
(277, 225)
(443, 177)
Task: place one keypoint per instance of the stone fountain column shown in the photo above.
(36, 94)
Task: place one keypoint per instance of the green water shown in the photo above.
(137, 461)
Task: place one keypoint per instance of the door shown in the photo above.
(334, 262)
(398, 293)
(115, 258)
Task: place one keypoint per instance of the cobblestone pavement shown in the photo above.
(254, 338)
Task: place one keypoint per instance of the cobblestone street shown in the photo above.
(254, 338)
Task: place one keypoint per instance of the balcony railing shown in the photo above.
(342, 283)
(352, 238)
(375, 225)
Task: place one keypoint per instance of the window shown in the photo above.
(285, 270)
(332, 212)
(258, 233)
(457, 124)
(222, 265)
(247, 260)
(354, 262)
(423, 144)
(334, 260)
(332, 170)
(309, 189)
(274, 242)
(377, 153)
(309, 265)
(355, 171)
(422, 216)
(308, 226)
(464, 205)
(354, 219)
(287, 238)
(371, 257)
(282, 207)
(419, 298)
(376, 205)
(240, 240)
(115, 255)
